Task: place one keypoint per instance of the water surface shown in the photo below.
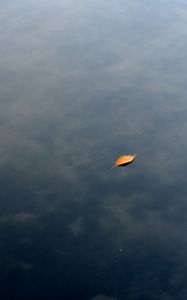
(82, 82)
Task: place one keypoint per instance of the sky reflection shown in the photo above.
(80, 84)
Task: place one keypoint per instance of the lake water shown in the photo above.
(82, 82)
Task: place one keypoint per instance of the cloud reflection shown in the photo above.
(81, 84)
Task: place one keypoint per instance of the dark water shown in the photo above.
(82, 82)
